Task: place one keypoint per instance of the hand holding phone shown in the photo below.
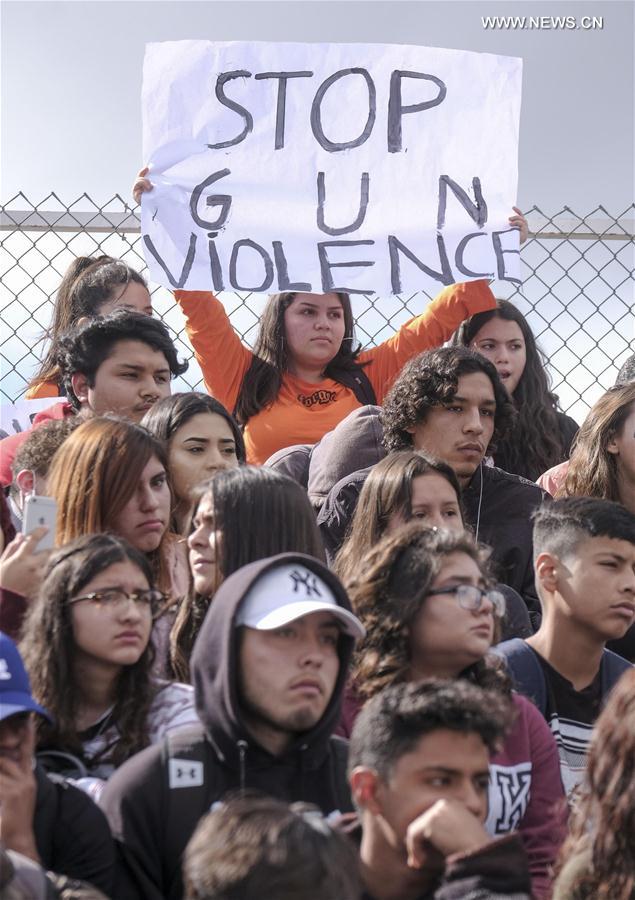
(21, 566)
(40, 512)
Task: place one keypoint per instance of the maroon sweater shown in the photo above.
(12, 611)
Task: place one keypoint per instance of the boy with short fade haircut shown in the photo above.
(584, 557)
(119, 364)
(419, 773)
(251, 847)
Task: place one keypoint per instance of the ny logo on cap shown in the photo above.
(5, 674)
(307, 580)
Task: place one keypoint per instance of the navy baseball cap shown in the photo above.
(15, 689)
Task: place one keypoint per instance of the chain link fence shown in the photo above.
(577, 290)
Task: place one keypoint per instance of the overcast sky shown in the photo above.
(71, 83)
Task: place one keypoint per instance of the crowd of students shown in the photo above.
(317, 634)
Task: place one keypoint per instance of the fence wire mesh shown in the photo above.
(577, 290)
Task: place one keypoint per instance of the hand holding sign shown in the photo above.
(141, 184)
(520, 222)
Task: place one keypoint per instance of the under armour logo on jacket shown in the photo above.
(307, 580)
(185, 773)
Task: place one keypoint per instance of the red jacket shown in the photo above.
(9, 446)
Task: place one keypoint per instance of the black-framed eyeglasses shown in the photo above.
(115, 599)
(471, 597)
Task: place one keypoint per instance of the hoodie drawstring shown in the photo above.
(303, 750)
(480, 501)
(242, 750)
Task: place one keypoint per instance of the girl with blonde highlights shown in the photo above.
(111, 475)
(599, 466)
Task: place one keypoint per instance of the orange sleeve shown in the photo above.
(42, 389)
(218, 349)
(431, 328)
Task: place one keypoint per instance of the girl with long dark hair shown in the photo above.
(201, 438)
(86, 645)
(111, 475)
(405, 485)
(430, 610)
(243, 514)
(542, 435)
(90, 287)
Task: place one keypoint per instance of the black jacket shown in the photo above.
(154, 801)
(505, 524)
(498, 507)
(71, 833)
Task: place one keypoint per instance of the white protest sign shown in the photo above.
(367, 168)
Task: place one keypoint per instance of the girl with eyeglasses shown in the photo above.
(86, 645)
(430, 610)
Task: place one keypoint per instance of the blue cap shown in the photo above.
(15, 688)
